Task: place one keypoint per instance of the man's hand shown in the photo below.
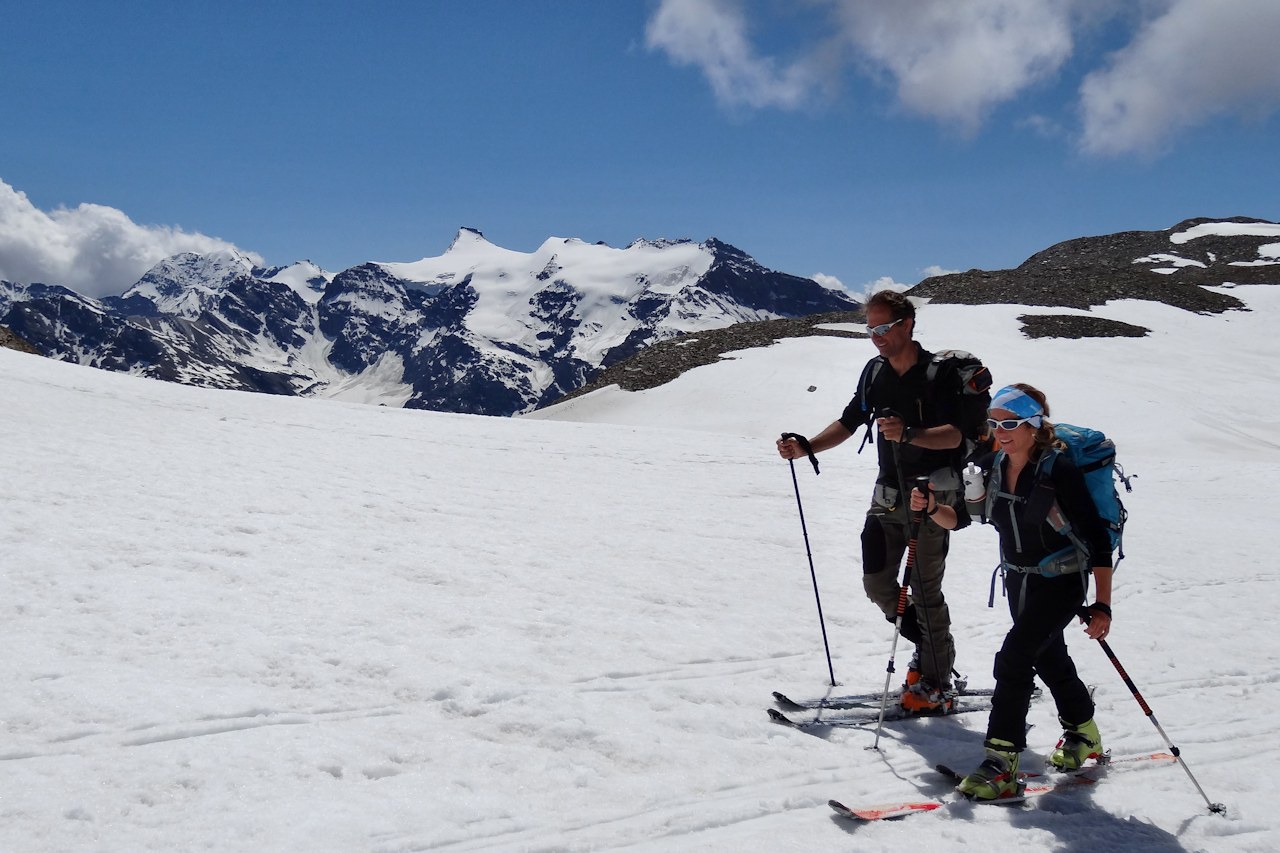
(891, 427)
(789, 448)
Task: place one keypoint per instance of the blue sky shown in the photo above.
(848, 138)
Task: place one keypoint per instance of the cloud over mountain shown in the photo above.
(94, 249)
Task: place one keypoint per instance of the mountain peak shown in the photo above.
(658, 243)
(174, 284)
(467, 237)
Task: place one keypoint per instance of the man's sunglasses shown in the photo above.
(1010, 424)
(883, 329)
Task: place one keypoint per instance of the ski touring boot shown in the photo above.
(923, 699)
(996, 778)
(1078, 744)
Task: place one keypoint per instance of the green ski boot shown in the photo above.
(1077, 745)
(996, 777)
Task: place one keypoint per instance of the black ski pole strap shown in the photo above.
(1086, 613)
(805, 446)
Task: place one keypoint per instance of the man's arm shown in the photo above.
(942, 437)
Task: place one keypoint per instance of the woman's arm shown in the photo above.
(943, 515)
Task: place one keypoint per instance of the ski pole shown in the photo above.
(1216, 808)
(916, 520)
(804, 444)
(925, 486)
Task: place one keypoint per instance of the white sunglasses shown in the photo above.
(883, 329)
(1010, 424)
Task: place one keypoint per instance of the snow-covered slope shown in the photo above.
(245, 622)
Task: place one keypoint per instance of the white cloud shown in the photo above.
(950, 61)
(884, 282)
(712, 34)
(93, 249)
(828, 281)
(1187, 62)
(1195, 62)
(954, 62)
(934, 270)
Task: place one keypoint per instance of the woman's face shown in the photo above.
(1017, 441)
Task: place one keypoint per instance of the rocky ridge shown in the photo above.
(1174, 267)
(9, 340)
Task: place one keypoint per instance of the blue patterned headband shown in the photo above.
(1016, 400)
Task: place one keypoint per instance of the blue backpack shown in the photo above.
(1095, 455)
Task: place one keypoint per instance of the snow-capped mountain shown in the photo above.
(479, 329)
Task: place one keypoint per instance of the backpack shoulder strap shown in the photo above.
(1052, 510)
(870, 373)
(1043, 498)
(995, 485)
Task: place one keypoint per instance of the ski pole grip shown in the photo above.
(805, 446)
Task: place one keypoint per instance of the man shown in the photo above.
(923, 419)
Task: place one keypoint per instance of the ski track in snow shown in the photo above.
(242, 622)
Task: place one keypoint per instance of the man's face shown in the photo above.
(896, 340)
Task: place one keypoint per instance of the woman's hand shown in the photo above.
(920, 502)
(1099, 624)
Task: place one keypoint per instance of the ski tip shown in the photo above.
(786, 701)
(780, 718)
(889, 811)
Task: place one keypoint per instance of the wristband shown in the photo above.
(1104, 609)
(936, 506)
(907, 432)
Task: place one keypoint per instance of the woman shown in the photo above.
(1043, 602)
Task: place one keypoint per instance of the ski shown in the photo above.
(1033, 785)
(861, 700)
(860, 716)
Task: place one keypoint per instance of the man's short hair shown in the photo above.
(900, 307)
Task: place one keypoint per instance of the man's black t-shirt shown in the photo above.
(909, 397)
